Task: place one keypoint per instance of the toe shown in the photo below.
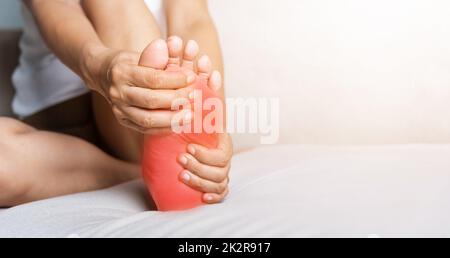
(155, 55)
(190, 53)
(175, 45)
(204, 66)
(215, 81)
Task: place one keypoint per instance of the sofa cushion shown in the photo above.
(281, 191)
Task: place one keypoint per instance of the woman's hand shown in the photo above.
(141, 97)
(207, 170)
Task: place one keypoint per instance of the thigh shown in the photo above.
(120, 141)
(9, 129)
(36, 164)
(89, 117)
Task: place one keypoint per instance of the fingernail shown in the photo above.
(188, 116)
(191, 78)
(191, 149)
(208, 198)
(196, 94)
(179, 104)
(186, 177)
(192, 95)
(183, 160)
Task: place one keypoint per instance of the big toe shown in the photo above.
(155, 55)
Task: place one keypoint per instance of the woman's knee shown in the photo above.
(10, 126)
(11, 185)
(13, 188)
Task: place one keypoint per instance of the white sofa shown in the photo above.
(364, 89)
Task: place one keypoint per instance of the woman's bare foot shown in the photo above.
(184, 59)
(173, 56)
(162, 171)
(36, 165)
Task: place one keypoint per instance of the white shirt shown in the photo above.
(41, 80)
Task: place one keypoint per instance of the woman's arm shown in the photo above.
(110, 71)
(186, 18)
(127, 25)
(70, 35)
(133, 31)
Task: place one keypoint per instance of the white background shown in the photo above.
(10, 14)
(346, 72)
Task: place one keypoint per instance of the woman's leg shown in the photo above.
(124, 25)
(73, 117)
(36, 165)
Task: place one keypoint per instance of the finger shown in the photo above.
(154, 131)
(131, 125)
(155, 99)
(219, 157)
(202, 185)
(124, 121)
(157, 79)
(150, 119)
(215, 81)
(210, 173)
(155, 55)
(213, 198)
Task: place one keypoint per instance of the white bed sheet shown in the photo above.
(285, 191)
